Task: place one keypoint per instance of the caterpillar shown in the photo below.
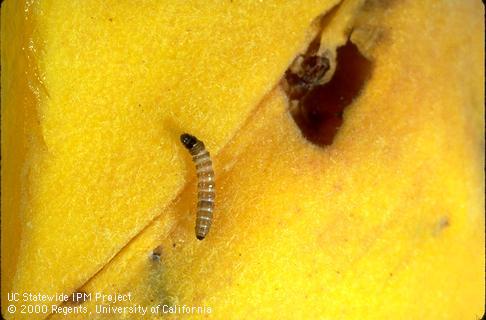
(205, 185)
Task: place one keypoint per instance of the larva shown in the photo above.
(205, 185)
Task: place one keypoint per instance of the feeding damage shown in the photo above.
(305, 73)
(332, 72)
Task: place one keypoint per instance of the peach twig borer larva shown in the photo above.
(205, 184)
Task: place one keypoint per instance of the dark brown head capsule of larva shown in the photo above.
(205, 185)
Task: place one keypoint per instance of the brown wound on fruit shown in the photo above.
(317, 105)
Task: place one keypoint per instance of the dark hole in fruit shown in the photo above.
(319, 108)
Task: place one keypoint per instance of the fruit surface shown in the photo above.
(385, 222)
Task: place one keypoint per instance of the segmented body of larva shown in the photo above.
(205, 185)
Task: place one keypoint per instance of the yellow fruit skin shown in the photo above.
(385, 223)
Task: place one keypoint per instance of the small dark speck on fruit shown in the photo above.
(156, 253)
(440, 225)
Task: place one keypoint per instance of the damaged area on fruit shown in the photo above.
(331, 74)
(318, 109)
